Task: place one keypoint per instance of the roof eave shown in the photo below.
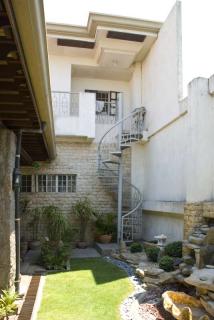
(30, 22)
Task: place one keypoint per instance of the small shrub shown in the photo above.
(174, 249)
(8, 306)
(152, 253)
(54, 256)
(136, 247)
(166, 263)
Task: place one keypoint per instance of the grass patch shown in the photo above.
(93, 290)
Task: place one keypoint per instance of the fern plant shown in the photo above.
(8, 306)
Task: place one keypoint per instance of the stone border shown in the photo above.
(38, 299)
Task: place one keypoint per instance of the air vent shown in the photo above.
(75, 43)
(126, 36)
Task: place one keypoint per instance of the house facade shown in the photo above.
(116, 61)
(102, 116)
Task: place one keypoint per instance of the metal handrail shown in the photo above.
(135, 111)
(127, 219)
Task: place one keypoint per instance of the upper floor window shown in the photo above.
(106, 102)
(26, 183)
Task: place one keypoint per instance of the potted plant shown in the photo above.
(36, 215)
(56, 223)
(105, 227)
(24, 209)
(84, 212)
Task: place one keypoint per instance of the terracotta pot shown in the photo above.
(105, 238)
(82, 244)
(35, 244)
(23, 248)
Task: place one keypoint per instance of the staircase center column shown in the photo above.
(120, 173)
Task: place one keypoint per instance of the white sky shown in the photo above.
(197, 24)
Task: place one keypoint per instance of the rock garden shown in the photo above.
(173, 282)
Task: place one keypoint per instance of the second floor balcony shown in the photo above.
(74, 114)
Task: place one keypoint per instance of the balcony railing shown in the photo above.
(74, 114)
(65, 103)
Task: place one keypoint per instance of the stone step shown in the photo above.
(196, 240)
(106, 249)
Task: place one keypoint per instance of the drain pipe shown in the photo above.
(16, 187)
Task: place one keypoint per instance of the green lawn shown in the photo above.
(93, 290)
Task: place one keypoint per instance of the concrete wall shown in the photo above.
(159, 171)
(7, 209)
(200, 166)
(136, 87)
(159, 166)
(82, 124)
(155, 223)
(60, 73)
(161, 74)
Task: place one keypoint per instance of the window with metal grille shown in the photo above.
(106, 102)
(26, 183)
(56, 183)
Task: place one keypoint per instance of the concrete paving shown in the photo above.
(84, 253)
(105, 249)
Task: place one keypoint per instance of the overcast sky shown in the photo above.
(197, 24)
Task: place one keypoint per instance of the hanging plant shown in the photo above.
(36, 165)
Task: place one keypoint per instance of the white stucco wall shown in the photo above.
(81, 125)
(200, 167)
(161, 74)
(136, 87)
(60, 73)
(155, 223)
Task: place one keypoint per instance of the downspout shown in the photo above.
(16, 187)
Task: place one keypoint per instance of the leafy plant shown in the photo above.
(56, 223)
(106, 224)
(36, 217)
(136, 247)
(152, 253)
(166, 263)
(174, 249)
(84, 212)
(7, 303)
(54, 257)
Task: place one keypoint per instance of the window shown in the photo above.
(106, 102)
(26, 183)
(56, 182)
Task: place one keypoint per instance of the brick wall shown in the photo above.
(79, 159)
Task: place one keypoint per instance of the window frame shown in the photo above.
(26, 186)
(72, 188)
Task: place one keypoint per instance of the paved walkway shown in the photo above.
(84, 253)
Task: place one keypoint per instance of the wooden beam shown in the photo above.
(26, 157)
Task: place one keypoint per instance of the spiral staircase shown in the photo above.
(111, 155)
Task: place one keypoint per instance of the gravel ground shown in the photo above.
(128, 305)
(151, 307)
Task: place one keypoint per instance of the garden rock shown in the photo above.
(153, 272)
(186, 271)
(189, 260)
(196, 240)
(208, 306)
